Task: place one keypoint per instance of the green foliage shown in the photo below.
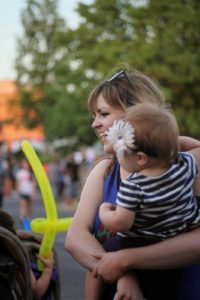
(160, 38)
(37, 56)
(61, 65)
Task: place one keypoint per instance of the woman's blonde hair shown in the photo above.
(156, 130)
(125, 89)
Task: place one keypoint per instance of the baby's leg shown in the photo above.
(128, 287)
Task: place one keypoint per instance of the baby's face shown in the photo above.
(128, 161)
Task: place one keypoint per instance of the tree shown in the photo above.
(44, 76)
(172, 55)
(37, 56)
(160, 38)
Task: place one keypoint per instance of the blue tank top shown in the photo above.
(110, 188)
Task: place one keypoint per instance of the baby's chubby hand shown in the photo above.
(106, 207)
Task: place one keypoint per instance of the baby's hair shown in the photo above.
(156, 130)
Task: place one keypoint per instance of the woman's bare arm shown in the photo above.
(188, 143)
(80, 242)
(193, 146)
(179, 251)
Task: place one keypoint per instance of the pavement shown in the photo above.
(71, 273)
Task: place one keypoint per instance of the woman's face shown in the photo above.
(103, 119)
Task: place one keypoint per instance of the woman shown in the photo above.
(107, 102)
(25, 186)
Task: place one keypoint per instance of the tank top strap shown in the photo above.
(110, 188)
(111, 185)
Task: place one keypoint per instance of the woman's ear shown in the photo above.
(142, 158)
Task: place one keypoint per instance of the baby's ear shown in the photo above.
(142, 158)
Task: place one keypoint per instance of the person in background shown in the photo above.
(158, 264)
(25, 186)
(40, 285)
(53, 174)
(2, 179)
(72, 169)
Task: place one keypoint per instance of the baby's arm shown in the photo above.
(117, 217)
(128, 287)
(40, 286)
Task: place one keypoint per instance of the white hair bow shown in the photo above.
(121, 136)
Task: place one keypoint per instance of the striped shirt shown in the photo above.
(164, 205)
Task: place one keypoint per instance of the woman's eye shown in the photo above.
(104, 114)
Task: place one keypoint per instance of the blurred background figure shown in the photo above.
(72, 185)
(61, 182)
(6, 177)
(25, 187)
(53, 175)
(90, 157)
(2, 179)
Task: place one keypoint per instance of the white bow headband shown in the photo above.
(121, 136)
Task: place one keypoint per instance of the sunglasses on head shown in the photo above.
(120, 74)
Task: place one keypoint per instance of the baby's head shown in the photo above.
(155, 129)
(146, 128)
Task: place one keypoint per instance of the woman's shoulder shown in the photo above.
(101, 166)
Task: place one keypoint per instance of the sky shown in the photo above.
(10, 29)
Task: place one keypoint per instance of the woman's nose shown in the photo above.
(95, 123)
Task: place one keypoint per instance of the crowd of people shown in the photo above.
(136, 227)
(65, 175)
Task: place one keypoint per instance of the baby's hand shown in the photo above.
(107, 206)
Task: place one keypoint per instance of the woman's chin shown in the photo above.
(108, 149)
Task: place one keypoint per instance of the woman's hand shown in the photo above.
(109, 266)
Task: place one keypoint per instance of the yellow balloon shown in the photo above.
(41, 225)
(50, 226)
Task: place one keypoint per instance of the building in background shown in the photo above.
(12, 133)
